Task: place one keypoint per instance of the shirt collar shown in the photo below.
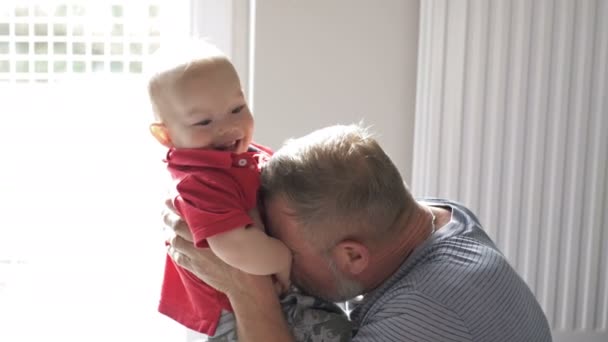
(196, 157)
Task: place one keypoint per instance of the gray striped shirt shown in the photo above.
(456, 286)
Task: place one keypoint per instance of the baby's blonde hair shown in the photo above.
(174, 59)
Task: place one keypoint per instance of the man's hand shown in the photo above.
(202, 262)
(173, 223)
(247, 293)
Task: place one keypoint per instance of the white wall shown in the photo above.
(321, 62)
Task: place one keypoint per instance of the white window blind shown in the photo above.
(43, 41)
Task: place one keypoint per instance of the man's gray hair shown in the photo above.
(338, 183)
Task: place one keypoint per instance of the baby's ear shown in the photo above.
(160, 132)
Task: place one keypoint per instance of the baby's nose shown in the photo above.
(229, 132)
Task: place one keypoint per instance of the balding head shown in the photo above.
(339, 184)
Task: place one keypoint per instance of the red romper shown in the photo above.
(215, 190)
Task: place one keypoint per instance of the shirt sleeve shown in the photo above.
(413, 317)
(211, 206)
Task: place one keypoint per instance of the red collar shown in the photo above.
(196, 157)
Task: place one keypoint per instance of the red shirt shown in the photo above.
(215, 190)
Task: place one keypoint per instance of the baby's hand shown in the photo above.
(282, 282)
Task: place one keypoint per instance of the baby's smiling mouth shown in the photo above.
(231, 147)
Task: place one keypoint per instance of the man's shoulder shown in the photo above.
(449, 267)
(460, 299)
(262, 148)
(468, 213)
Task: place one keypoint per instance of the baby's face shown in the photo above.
(209, 110)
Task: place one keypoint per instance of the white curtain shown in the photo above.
(511, 120)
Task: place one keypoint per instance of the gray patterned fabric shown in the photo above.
(315, 320)
(310, 320)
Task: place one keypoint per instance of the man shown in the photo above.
(427, 270)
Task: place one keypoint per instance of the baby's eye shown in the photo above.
(203, 123)
(238, 109)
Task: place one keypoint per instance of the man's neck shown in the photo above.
(388, 256)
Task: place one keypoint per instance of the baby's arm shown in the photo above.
(246, 248)
(251, 250)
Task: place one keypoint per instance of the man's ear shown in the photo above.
(160, 132)
(351, 257)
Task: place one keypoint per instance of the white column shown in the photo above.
(512, 120)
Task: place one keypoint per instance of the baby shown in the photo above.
(203, 119)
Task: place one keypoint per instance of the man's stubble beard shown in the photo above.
(344, 288)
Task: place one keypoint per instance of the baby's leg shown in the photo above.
(226, 329)
(310, 320)
(314, 320)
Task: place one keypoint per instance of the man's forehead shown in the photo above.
(282, 224)
(279, 214)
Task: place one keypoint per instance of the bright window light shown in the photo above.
(81, 180)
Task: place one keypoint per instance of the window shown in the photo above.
(45, 41)
(81, 180)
